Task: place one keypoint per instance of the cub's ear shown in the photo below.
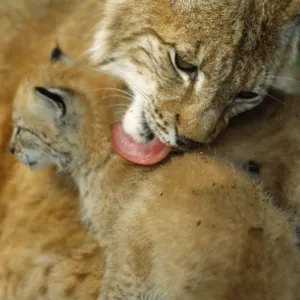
(52, 101)
(57, 55)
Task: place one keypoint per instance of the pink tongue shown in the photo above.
(139, 153)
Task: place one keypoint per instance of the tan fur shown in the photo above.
(45, 252)
(211, 234)
(31, 44)
(226, 47)
(30, 29)
(268, 136)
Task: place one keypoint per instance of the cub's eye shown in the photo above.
(247, 95)
(186, 67)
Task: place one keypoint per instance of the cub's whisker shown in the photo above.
(116, 96)
(112, 89)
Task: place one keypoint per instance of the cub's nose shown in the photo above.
(12, 149)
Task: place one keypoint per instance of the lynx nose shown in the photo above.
(12, 149)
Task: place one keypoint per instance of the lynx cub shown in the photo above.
(167, 236)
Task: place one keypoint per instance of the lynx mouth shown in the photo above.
(148, 133)
(146, 154)
(185, 144)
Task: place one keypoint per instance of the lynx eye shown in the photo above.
(186, 67)
(247, 95)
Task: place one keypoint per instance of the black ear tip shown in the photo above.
(56, 53)
(53, 96)
(40, 89)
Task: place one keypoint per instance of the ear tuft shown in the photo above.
(57, 55)
(54, 97)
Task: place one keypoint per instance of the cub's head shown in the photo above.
(61, 116)
(194, 64)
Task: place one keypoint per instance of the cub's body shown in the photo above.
(210, 234)
(268, 139)
(46, 253)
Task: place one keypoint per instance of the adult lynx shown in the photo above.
(193, 65)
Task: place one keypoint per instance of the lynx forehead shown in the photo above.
(193, 65)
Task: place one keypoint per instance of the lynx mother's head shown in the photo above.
(192, 65)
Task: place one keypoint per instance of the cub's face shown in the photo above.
(62, 114)
(61, 117)
(193, 65)
(40, 135)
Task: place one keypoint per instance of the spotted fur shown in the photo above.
(45, 251)
(266, 139)
(166, 236)
(194, 59)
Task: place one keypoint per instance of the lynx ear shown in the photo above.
(52, 101)
(57, 55)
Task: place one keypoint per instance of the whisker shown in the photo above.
(115, 105)
(139, 90)
(277, 86)
(119, 112)
(117, 97)
(283, 78)
(115, 121)
(266, 94)
(113, 89)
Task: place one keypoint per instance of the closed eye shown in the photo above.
(247, 95)
(181, 65)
